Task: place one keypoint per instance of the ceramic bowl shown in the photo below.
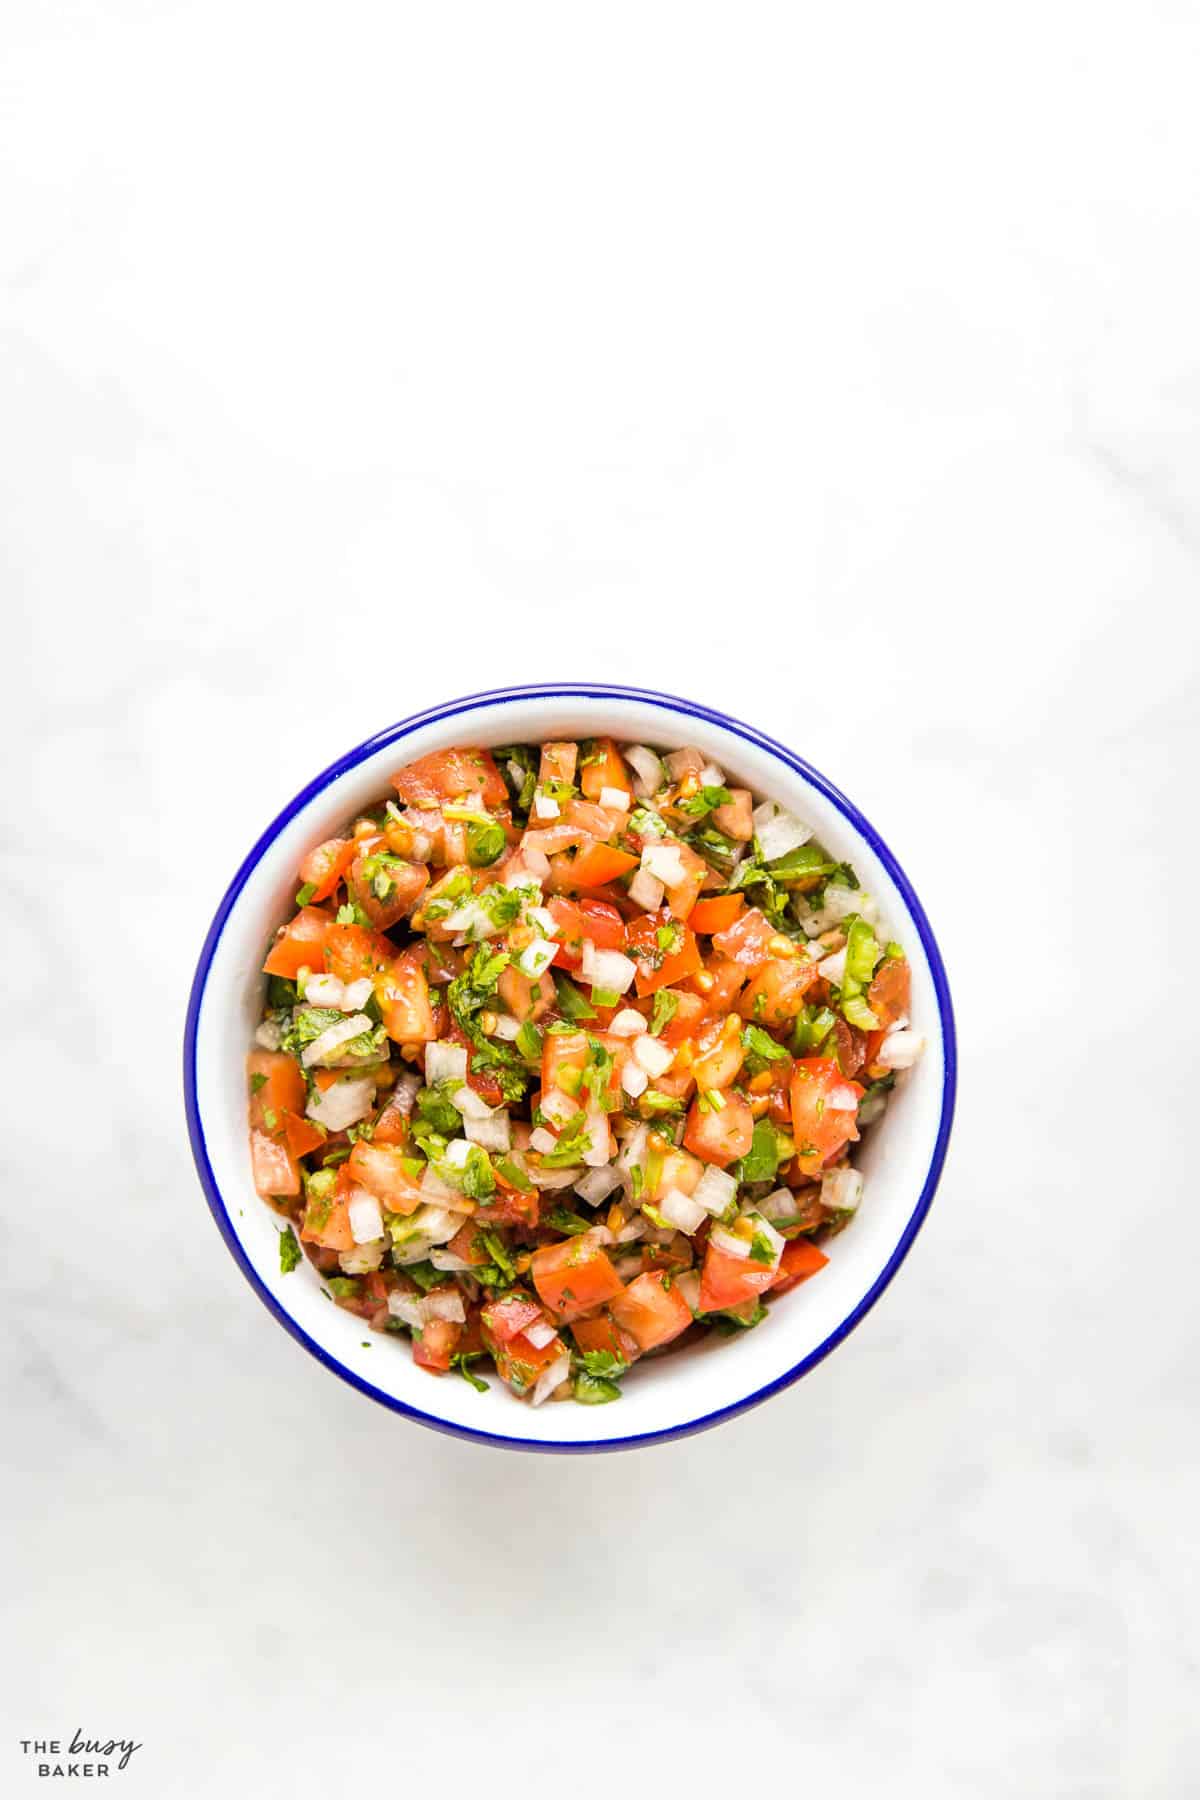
(700, 1385)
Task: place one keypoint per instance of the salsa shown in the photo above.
(564, 1053)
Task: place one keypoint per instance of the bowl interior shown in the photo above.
(900, 1157)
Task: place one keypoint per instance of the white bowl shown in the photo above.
(697, 1387)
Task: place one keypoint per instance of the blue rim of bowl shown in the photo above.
(568, 690)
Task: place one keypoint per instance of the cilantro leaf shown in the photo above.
(290, 1252)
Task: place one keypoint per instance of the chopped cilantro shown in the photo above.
(698, 804)
(485, 842)
(569, 1223)
(571, 1003)
(666, 1005)
(604, 1363)
(762, 1159)
(290, 1252)
(594, 1390)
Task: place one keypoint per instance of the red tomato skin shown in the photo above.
(717, 914)
(720, 1137)
(436, 1345)
(573, 1277)
(820, 1129)
(447, 774)
(890, 993)
(505, 1318)
(403, 994)
(800, 1261)
(300, 944)
(324, 867)
(745, 941)
(641, 943)
(274, 1166)
(727, 1281)
(651, 1311)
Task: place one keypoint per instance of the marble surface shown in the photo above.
(837, 366)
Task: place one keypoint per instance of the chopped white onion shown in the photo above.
(363, 1259)
(647, 770)
(545, 806)
(445, 1303)
(608, 969)
(688, 1283)
(779, 832)
(544, 919)
(552, 1377)
(366, 1218)
(900, 1049)
(653, 1055)
(470, 1104)
(627, 1023)
(617, 798)
(516, 773)
(634, 1080)
(457, 1153)
(842, 1098)
(841, 1189)
(540, 1333)
(445, 1062)
(712, 775)
(343, 1104)
(729, 1242)
(492, 1133)
(507, 1029)
(683, 762)
(536, 861)
(833, 968)
(558, 1107)
(542, 1141)
(765, 1231)
(632, 1231)
(331, 1040)
(268, 1036)
(779, 1205)
(633, 1150)
(434, 1188)
(449, 1263)
(714, 1190)
(327, 990)
(597, 1184)
(355, 994)
(404, 1094)
(470, 922)
(681, 1210)
(600, 1140)
(837, 903)
(413, 1238)
(552, 1178)
(647, 891)
(664, 862)
(536, 957)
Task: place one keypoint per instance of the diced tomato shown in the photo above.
(448, 774)
(717, 914)
(745, 941)
(574, 1276)
(728, 979)
(437, 1343)
(720, 1053)
(403, 995)
(736, 817)
(604, 769)
(599, 822)
(324, 867)
(557, 762)
(388, 890)
(678, 1169)
(391, 1127)
(799, 1261)
(467, 1243)
(595, 864)
(661, 964)
(603, 924)
(600, 1333)
(564, 1058)
(471, 1342)
(274, 1166)
(519, 1363)
(276, 1087)
(503, 1318)
(300, 943)
(776, 993)
(890, 993)
(300, 1134)
(525, 998)
(681, 898)
(380, 1169)
(327, 1221)
(851, 1046)
(509, 1205)
(723, 1135)
(567, 918)
(352, 951)
(652, 1310)
(688, 1017)
(727, 1280)
(824, 1108)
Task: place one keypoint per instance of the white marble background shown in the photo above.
(839, 366)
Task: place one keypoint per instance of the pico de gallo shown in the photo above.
(564, 1053)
